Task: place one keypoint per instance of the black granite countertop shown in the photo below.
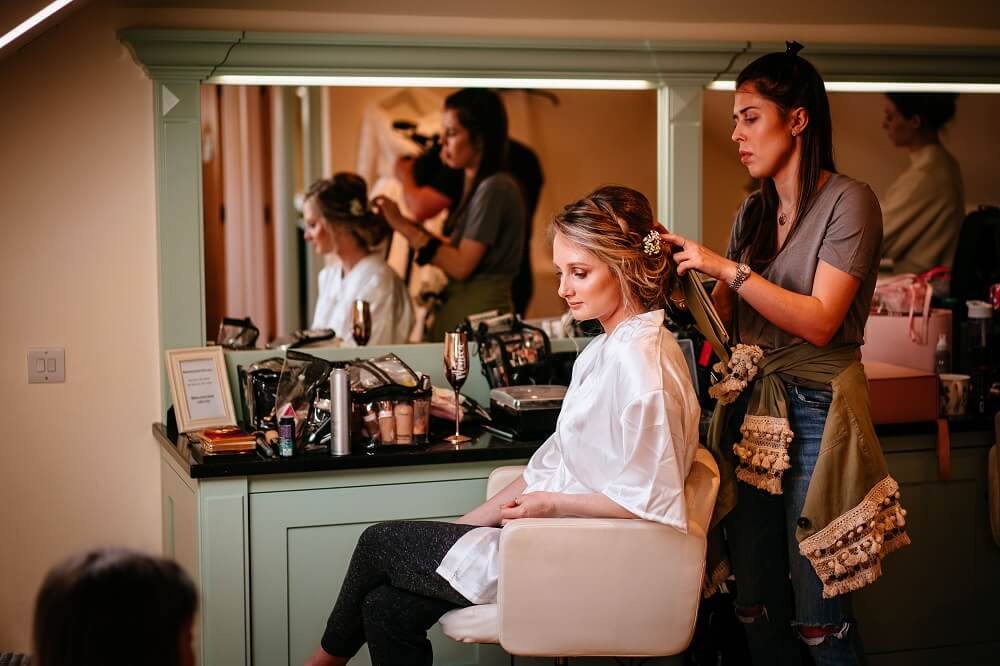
(484, 446)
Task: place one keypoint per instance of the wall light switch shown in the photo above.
(46, 365)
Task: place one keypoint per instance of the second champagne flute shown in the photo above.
(361, 328)
(456, 370)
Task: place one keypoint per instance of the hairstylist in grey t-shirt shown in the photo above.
(482, 251)
(804, 250)
(797, 281)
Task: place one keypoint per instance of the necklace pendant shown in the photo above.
(782, 219)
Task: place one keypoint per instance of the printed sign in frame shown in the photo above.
(199, 386)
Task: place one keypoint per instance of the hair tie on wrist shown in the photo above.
(792, 48)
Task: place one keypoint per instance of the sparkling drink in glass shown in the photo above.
(361, 327)
(456, 370)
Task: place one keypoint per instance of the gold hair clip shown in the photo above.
(651, 243)
(357, 208)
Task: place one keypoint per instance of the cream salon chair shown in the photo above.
(595, 587)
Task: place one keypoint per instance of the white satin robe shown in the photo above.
(370, 280)
(628, 429)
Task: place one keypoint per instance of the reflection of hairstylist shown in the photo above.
(486, 230)
(923, 209)
(338, 220)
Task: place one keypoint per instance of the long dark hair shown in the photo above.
(481, 112)
(790, 82)
(113, 607)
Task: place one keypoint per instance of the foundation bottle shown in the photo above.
(386, 422)
(369, 421)
(422, 411)
(403, 413)
(421, 418)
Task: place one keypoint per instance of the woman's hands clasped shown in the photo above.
(531, 505)
(690, 255)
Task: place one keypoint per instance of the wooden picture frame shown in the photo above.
(199, 386)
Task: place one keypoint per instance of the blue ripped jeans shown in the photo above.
(765, 557)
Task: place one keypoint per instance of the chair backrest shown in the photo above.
(595, 586)
(700, 490)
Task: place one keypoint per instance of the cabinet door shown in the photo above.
(941, 590)
(301, 543)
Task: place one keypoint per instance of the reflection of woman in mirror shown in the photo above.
(923, 209)
(339, 221)
(485, 232)
(623, 446)
(801, 463)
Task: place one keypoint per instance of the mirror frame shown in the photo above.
(179, 61)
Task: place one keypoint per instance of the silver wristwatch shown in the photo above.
(742, 273)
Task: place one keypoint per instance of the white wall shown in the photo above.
(78, 258)
(77, 270)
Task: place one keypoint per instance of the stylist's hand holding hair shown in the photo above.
(690, 255)
(412, 231)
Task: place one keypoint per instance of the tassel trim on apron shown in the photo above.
(763, 452)
(847, 554)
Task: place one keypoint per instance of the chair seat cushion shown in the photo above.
(474, 624)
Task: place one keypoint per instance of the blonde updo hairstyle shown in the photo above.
(343, 200)
(612, 223)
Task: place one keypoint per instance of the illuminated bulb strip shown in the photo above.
(887, 86)
(30, 23)
(431, 82)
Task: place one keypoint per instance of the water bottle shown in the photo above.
(942, 355)
(977, 341)
(340, 413)
(980, 316)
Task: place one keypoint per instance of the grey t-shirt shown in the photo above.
(495, 217)
(843, 228)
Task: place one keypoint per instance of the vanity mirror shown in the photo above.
(257, 261)
(179, 62)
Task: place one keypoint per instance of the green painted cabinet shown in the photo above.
(302, 540)
(269, 554)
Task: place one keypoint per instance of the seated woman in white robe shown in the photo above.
(624, 443)
(341, 225)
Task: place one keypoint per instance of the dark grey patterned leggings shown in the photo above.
(392, 593)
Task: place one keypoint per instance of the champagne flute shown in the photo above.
(456, 369)
(362, 322)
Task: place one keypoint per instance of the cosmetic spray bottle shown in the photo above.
(340, 413)
(286, 432)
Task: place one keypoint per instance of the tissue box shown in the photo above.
(901, 395)
(887, 339)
